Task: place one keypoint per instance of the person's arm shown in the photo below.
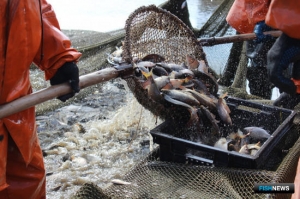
(55, 45)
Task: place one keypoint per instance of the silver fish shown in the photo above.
(223, 111)
(162, 81)
(222, 143)
(244, 149)
(183, 5)
(120, 182)
(200, 86)
(171, 67)
(182, 96)
(257, 132)
(192, 62)
(211, 117)
(160, 71)
(182, 74)
(153, 91)
(254, 148)
(202, 98)
(192, 110)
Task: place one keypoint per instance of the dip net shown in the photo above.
(151, 30)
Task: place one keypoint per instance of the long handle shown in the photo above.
(234, 38)
(55, 91)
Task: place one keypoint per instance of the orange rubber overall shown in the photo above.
(29, 32)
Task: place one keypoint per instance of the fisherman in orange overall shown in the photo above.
(29, 33)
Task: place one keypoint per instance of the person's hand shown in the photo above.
(259, 30)
(68, 72)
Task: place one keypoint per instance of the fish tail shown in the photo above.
(194, 116)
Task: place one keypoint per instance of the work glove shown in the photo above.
(259, 30)
(68, 72)
(287, 101)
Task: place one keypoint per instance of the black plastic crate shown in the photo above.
(174, 148)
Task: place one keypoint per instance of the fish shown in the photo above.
(237, 140)
(234, 147)
(237, 136)
(146, 64)
(192, 110)
(223, 110)
(212, 118)
(160, 71)
(178, 83)
(120, 182)
(257, 132)
(113, 60)
(171, 66)
(182, 96)
(118, 52)
(192, 62)
(202, 98)
(183, 5)
(254, 148)
(153, 91)
(244, 149)
(182, 74)
(163, 82)
(222, 143)
(200, 86)
(203, 67)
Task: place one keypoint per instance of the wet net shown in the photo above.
(150, 30)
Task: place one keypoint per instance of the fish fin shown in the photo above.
(168, 86)
(147, 75)
(194, 116)
(224, 95)
(172, 75)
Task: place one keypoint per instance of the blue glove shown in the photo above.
(259, 28)
(68, 72)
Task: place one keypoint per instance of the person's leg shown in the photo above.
(24, 181)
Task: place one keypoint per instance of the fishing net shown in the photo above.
(150, 30)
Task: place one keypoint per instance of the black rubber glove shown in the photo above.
(68, 72)
(259, 28)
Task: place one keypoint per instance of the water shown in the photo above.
(110, 15)
(103, 151)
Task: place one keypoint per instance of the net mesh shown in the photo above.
(150, 30)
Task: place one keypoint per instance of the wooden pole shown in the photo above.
(234, 38)
(56, 91)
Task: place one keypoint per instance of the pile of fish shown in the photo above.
(190, 85)
(248, 141)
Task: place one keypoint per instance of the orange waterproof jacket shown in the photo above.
(285, 16)
(281, 15)
(244, 14)
(25, 38)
